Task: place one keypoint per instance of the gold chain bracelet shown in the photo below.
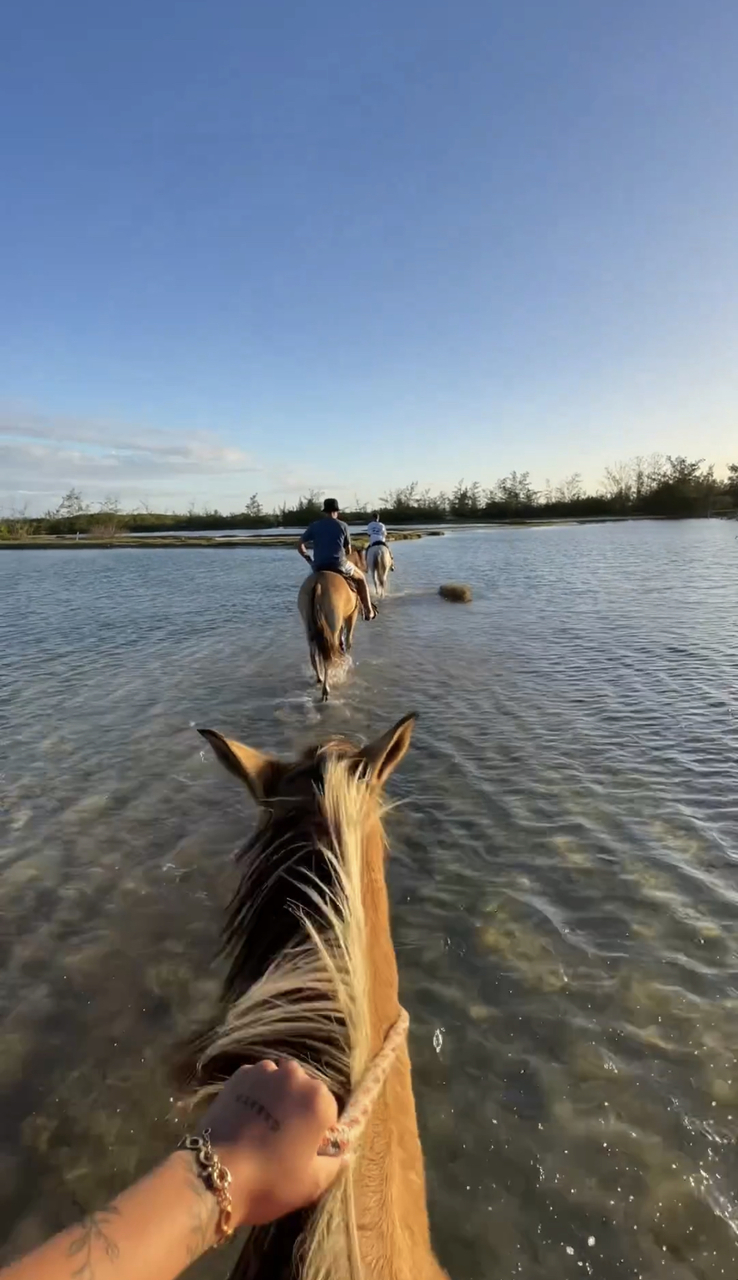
(216, 1178)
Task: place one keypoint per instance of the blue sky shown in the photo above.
(263, 247)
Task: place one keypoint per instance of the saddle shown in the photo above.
(350, 582)
(383, 544)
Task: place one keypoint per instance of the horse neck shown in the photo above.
(389, 1182)
(383, 982)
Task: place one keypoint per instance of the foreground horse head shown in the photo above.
(329, 608)
(313, 976)
(379, 564)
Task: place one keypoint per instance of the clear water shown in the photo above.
(564, 872)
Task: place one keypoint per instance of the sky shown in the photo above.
(268, 247)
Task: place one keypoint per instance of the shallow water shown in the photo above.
(564, 872)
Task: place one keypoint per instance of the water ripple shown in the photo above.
(563, 872)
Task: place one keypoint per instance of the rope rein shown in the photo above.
(341, 1138)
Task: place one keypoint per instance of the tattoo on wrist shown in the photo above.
(252, 1104)
(203, 1216)
(93, 1236)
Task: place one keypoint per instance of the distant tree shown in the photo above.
(619, 484)
(514, 494)
(401, 500)
(72, 504)
(411, 503)
(109, 519)
(253, 507)
(678, 486)
(651, 472)
(109, 505)
(308, 508)
(569, 490)
(467, 501)
(17, 524)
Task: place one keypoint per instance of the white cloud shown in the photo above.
(43, 456)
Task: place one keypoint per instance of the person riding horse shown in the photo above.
(378, 536)
(331, 542)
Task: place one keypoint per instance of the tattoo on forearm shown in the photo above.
(260, 1110)
(93, 1232)
(203, 1217)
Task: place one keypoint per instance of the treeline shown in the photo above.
(672, 487)
(655, 486)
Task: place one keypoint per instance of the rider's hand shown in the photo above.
(267, 1124)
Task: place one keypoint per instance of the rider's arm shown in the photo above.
(266, 1124)
(302, 548)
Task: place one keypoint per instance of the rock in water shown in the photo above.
(458, 592)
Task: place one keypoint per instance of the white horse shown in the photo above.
(378, 565)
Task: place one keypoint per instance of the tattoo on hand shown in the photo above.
(92, 1231)
(252, 1104)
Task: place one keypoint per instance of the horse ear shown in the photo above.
(382, 756)
(259, 771)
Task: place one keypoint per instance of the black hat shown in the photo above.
(331, 504)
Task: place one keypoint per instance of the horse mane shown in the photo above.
(297, 984)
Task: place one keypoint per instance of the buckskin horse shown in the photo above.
(329, 608)
(313, 976)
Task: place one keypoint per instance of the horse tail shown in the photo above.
(320, 635)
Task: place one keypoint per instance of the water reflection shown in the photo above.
(563, 872)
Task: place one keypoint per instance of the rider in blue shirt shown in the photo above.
(331, 542)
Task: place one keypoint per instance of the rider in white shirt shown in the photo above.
(378, 535)
(376, 530)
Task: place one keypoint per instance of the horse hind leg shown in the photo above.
(350, 628)
(316, 664)
(386, 569)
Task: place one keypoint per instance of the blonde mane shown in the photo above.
(311, 1000)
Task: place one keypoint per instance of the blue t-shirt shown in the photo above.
(331, 540)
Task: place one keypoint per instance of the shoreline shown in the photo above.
(68, 542)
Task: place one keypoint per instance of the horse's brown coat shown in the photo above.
(321, 839)
(327, 605)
